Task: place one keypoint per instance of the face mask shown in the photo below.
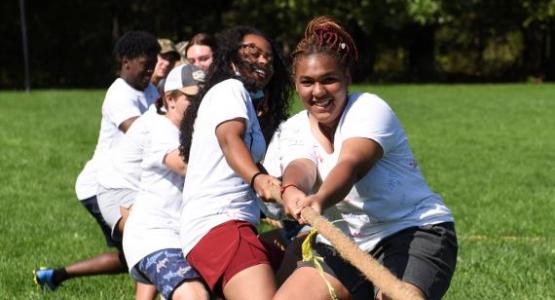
(256, 96)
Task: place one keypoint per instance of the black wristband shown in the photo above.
(253, 178)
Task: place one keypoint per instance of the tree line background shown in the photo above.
(71, 41)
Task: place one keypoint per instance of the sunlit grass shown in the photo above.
(489, 150)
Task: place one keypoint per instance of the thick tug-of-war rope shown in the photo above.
(381, 277)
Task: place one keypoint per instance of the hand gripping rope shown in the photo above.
(381, 277)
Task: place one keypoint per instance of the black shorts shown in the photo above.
(91, 204)
(424, 256)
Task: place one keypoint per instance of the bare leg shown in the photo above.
(105, 263)
(307, 283)
(253, 283)
(191, 290)
(121, 223)
(145, 291)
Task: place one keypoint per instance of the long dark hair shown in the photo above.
(202, 39)
(272, 110)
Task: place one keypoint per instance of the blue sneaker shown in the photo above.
(44, 277)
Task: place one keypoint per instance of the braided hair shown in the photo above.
(272, 110)
(325, 35)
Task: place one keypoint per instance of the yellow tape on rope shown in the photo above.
(308, 256)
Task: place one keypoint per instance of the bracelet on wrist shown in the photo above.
(283, 188)
(253, 178)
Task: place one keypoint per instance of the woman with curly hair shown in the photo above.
(369, 182)
(244, 100)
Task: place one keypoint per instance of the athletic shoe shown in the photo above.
(44, 277)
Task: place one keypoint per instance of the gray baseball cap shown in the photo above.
(185, 78)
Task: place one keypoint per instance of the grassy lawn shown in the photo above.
(488, 149)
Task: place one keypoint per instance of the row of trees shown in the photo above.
(400, 40)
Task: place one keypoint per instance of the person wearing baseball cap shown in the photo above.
(180, 46)
(167, 58)
(157, 208)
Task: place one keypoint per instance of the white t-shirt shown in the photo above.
(120, 103)
(122, 168)
(153, 223)
(213, 192)
(392, 196)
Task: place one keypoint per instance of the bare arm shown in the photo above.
(174, 162)
(299, 178)
(230, 137)
(356, 158)
(124, 126)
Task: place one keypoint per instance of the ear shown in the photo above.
(168, 98)
(125, 63)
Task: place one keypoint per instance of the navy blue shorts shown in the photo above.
(166, 269)
(424, 256)
(91, 204)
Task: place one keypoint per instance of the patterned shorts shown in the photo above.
(166, 269)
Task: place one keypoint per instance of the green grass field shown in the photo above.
(488, 149)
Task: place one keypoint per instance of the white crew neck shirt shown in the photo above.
(213, 193)
(153, 223)
(120, 103)
(392, 196)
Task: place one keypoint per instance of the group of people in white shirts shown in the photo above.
(181, 187)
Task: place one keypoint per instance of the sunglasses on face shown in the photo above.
(250, 50)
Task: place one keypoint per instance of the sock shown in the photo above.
(60, 275)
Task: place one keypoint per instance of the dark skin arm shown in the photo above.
(230, 137)
(124, 126)
(356, 158)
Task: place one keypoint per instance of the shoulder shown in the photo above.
(366, 105)
(296, 121)
(120, 90)
(229, 84)
(295, 126)
(367, 100)
(120, 86)
(228, 91)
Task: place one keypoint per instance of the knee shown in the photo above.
(191, 290)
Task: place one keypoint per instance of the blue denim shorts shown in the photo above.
(166, 269)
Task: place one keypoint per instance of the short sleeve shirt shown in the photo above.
(120, 103)
(153, 223)
(393, 195)
(213, 193)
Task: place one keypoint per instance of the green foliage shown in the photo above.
(71, 41)
(487, 149)
(424, 11)
(542, 11)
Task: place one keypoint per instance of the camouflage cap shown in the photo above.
(167, 46)
(181, 47)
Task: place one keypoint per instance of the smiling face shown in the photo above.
(200, 56)
(137, 71)
(322, 82)
(256, 65)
